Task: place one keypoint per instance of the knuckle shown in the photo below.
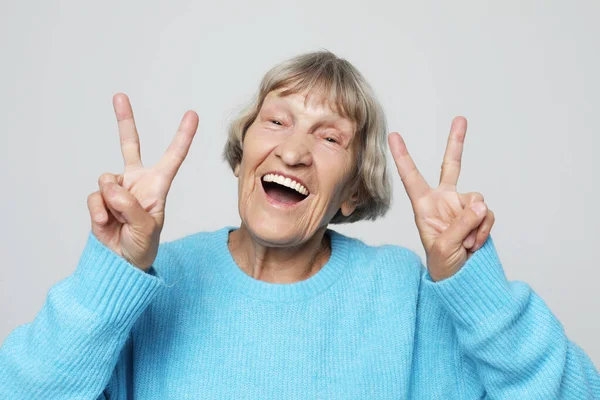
(450, 163)
(105, 178)
(105, 189)
(473, 197)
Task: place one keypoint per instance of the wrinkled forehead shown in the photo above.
(319, 102)
(345, 100)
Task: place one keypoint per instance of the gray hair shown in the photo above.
(349, 94)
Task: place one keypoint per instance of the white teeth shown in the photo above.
(297, 186)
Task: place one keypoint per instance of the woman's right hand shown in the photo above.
(128, 210)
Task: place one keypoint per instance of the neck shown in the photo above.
(279, 264)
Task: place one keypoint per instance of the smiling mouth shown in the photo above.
(282, 190)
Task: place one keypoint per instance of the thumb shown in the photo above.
(466, 222)
(122, 201)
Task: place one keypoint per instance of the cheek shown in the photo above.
(256, 148)
(334, 170)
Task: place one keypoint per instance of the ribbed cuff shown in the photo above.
(109, 286)
(478, 291)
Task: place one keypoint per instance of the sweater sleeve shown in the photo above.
(517, 346)
(71, 348)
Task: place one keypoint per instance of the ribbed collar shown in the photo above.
(282, 292)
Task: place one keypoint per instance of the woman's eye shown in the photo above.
(331, 140)
(275, 122)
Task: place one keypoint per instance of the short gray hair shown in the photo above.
(349, 94)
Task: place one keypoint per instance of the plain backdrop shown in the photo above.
(524, 74)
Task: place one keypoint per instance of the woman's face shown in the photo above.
(312, 146)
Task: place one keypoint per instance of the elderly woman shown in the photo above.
(282, 307)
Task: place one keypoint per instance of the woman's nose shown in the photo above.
(295, 149)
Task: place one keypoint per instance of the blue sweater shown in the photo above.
(371, 324)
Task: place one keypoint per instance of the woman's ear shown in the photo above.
(349, 205)
(236, 171)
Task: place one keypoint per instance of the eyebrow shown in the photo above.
(279, 100)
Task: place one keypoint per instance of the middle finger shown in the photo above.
(453, 155)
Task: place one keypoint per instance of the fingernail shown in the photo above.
(479, 208)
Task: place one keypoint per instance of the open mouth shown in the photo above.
(284, 190)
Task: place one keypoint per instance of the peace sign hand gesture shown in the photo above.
(128, 210)
(452, 226)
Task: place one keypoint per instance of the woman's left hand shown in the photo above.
(452, 226)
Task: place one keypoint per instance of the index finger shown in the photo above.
(173, 158)
(130, 140)
(415, 185)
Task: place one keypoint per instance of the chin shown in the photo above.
(273, 232)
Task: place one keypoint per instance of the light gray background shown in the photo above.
(524, 73)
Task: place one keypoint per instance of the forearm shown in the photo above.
(514, 360)
(72, 346)
(519, 348)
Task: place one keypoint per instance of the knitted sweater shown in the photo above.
(371, 324)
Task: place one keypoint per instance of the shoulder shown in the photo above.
(187, 253)
(197, 240)
(392, 258)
